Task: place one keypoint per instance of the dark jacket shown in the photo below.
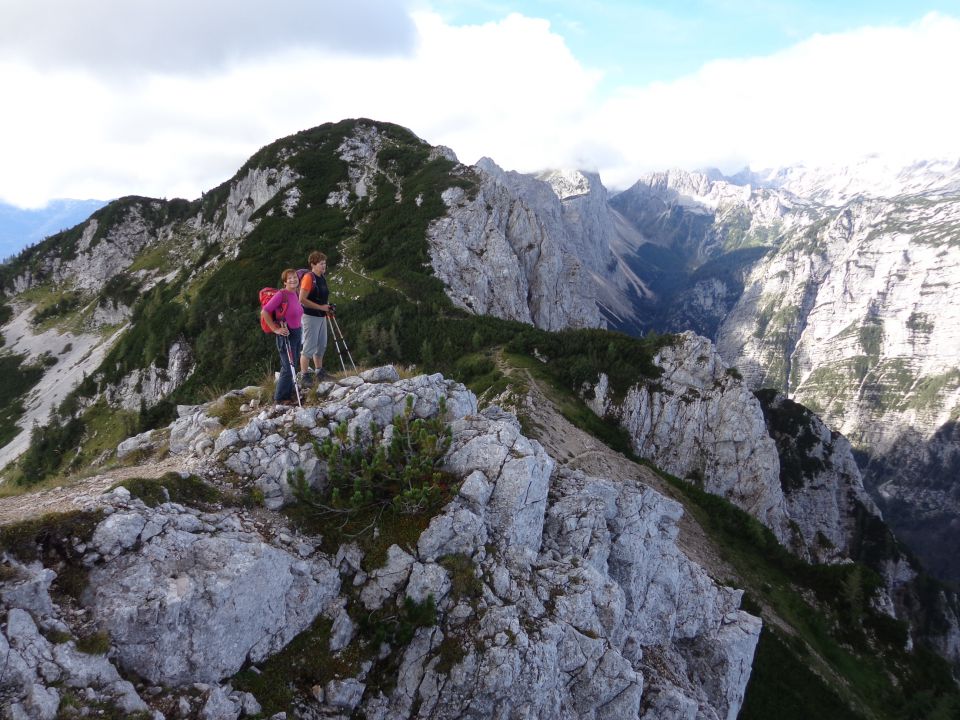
(319, 294)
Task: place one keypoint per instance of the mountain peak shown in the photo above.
(567, 183)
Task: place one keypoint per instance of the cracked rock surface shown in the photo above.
(557, 593)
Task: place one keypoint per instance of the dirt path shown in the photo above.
(80, 493)
(349, 264)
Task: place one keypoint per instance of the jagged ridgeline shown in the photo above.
(177, 281)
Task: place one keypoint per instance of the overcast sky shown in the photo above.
(104, 98)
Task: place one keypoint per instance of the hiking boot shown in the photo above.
(305, 379)
(321, 374)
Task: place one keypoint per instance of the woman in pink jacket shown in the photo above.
(288, 332)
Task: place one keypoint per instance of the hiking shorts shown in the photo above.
(314, 336)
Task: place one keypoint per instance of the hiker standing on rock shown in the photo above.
(286, 326)
(313, 296)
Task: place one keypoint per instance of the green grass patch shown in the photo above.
(929, 391)
(51, 540)
(478, 371)
(95, 644)
(56, 307)
(172, 487)
(227, 410)
(464, 583)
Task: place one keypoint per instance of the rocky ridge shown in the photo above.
(140, 228)
(699, 420)
(581, 603)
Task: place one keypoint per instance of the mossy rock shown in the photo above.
(173, 487)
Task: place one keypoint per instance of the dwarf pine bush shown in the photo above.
(395, 469)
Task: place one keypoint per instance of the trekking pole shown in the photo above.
(335, 342)
(293, 370)
(344, 341)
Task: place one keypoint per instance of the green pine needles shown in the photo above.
(395, 470)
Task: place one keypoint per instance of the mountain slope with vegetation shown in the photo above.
(168, 290)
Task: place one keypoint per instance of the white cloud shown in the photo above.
(829, 99)
(119, 37)
(511, 90)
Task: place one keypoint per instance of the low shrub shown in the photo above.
(398, 474)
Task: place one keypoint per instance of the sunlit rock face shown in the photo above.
(543, 250)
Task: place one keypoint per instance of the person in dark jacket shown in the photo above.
(313, 296)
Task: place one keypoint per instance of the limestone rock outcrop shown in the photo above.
(699, 421)
(541, 251)
(556, 593)
(202, 594)
(764, 453)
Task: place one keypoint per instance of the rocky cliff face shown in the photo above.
(555, 592)
(778, 461)
(822, 487)
(700, 421)
(546, 251)
(856, 318)
(836, 286)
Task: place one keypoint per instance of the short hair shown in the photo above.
(283, 275)
(315, 257)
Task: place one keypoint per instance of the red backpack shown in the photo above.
(278, 315)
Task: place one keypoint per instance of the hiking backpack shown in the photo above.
(278, 314)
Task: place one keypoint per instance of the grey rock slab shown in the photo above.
(385, 374)
(193, 607)
(456, 531)
(428, 580)
(219, 706)
(31, 592)
(387, 580)
(476, 489)
(228, 438)
(344, 694)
